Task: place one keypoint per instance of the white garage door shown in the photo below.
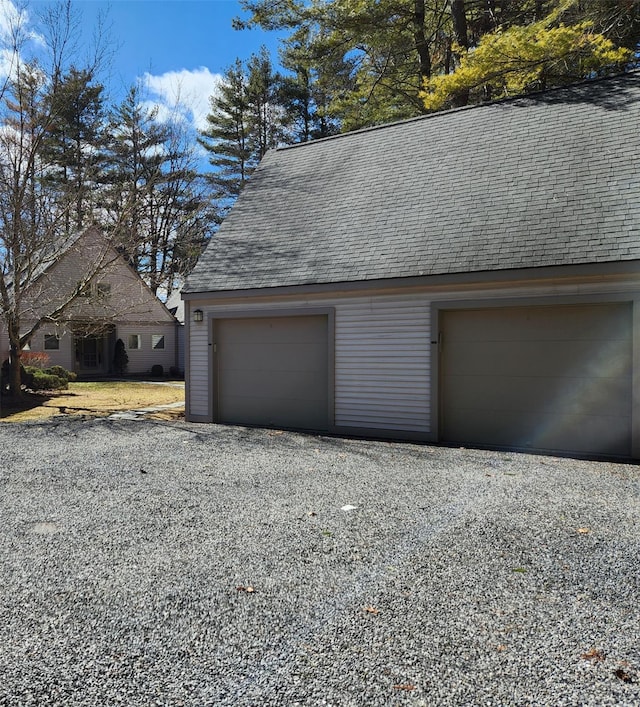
(272, 371)
(542, 378)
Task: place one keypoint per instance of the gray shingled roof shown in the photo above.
(552, 179)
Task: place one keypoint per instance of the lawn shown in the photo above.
(97, 399)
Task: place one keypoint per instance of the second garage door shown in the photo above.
(543, 378)
(272, 371)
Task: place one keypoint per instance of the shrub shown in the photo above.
(35, 359)
(120, 357)
(61, 373)
(46, 381)
(27, 374)
(157, 371)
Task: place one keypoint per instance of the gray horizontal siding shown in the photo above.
(382, 363)
(142, 360)
(383, 367)
(200, 387)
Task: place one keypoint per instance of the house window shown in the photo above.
(157, 341)
(51, 342)
(103, 289)
(135, 341)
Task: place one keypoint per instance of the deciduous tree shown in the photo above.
(32, 219)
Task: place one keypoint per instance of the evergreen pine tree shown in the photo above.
(120, 358)
(245, 121)
(73, 144)
(158, 207)
(226, 137)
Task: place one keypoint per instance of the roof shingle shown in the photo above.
(550, 179)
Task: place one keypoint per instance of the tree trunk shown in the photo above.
(461, 35)
(422, 46)
(488, 19)
(459, 23)
(15, 378)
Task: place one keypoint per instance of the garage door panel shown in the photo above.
(274, 357)
(559, 397)
(570, 358)
(257, 330)
(582, 434)
(271, 384)
(553, 396)
(550, 378)
(540, 324)
(273, 371)
(274, 412)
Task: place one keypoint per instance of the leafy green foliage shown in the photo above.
(61, 373)
(525, 58)
(41, 380)
(368, 57)
(227, 135)
(304, 93)
(362, 62)
(73, 144)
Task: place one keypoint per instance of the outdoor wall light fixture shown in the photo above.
(198, 316)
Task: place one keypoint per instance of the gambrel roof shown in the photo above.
(549, 179)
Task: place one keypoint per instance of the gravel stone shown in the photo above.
(175, 564)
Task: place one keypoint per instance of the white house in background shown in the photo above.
(114, 304)
(469, 277)
(175, 305)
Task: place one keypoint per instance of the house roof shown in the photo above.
(549, 179)
(175, 305)
(103, 260)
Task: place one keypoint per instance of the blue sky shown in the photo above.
(178, 48)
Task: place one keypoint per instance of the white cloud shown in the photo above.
(183, 94)
(8, 62)
(10, 18)
(162, 112)
(14, 26)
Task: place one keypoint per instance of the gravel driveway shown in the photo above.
(146, 563)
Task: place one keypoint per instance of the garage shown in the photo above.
(272, 371)
(524, 254)
(548, 378)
